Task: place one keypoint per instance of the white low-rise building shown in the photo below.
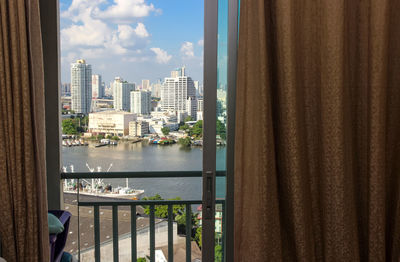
(138, 128)
(110, 122)
(156, 125)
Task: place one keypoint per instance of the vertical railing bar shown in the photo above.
(152, 235)
(170, 235)
(79, 232)
(223, 230)
(133, 234)
(115, 232)
(188, 233)
(96, 234)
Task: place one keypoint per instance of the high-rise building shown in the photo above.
(197, 87)
(97, 87)
(146, 84)
(175, 93)
(178, 72)
(141, 102)
(81, 86)
(156, 88)
(191, 107)
(66, 89)
(122, 90)
(200, 104)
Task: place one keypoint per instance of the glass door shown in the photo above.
(144, 116)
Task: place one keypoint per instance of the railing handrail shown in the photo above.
(137, 174)
(144, 202)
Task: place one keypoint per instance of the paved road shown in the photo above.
(86, 222)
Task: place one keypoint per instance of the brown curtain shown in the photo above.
(23, 202)
(317, 168)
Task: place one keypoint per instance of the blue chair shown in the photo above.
(58, 241)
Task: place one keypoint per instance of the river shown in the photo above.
(144, 157)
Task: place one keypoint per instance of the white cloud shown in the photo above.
(162, 56)
(200, 42)
(123, 11)
(187, 49)
(90, 33)
(141, 31)
(92, 37)
(80, 9)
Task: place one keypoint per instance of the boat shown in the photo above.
(97, 187)
(106, 142)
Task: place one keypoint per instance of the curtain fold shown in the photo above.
(317, 152)
(23, 198)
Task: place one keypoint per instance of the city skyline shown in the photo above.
(133, 39)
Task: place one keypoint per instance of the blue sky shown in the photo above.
(134, 39)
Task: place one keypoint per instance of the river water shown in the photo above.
(144, 157)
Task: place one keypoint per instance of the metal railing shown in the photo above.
(133, 204)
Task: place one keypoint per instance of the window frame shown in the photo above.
(50, 29)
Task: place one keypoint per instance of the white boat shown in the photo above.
(97, 187)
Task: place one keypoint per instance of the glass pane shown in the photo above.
(222, 90)
(132, 91)
(132, 100)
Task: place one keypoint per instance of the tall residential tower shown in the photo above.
(81, 86)
(97, 87)
(122, 91)
(141, 102)
(176, 91)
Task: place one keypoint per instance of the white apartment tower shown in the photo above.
(156, 88)
(81, 87)
(146, 84)
(175, 93)
(141, 102)
(122, 90)
(97, 87)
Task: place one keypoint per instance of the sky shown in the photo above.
(133, 39)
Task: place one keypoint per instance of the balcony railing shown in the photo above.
(133, 204)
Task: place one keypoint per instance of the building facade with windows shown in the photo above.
(175, 93)
(122, 90)
(97, 87)
(138, 128)
(81, 87)
(114, 123)
(140, 102)
(146, 84)
(191, 107)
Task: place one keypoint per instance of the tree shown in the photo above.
(100, 137)
(184, 127)
(188, 118)
(165, 130)
(218, 253)
(197, 129)
(185, 141)
(181, 221)
(221, 130)
(85, 122)
(197, 237)
(108, 136)
(141, 259)
(69, 127)
(115, 138)
(161, 211)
